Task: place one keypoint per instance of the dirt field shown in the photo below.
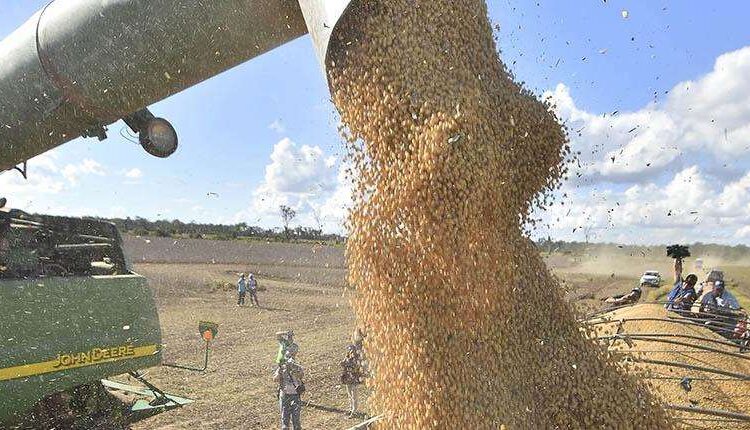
(304, 290)
(237, 390)
(590, 278)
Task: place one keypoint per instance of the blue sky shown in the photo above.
(264, 132)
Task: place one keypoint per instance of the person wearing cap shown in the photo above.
(289, 376)
(708, 284)
(719, 308)
(718, 299)
(712, 300)
(626, 299)
(252, 288)
(683, 294)
(241, 290)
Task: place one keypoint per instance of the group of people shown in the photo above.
(708, 302)
(687, 295)
(709, 297)
(289, 375)
(711, 303)
(247, 285)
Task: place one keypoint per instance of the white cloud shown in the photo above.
(24, 191)
(301, 177)
(298, 170)
(73, 172)
(692, 206)
(45, 180)
(744, 232)
(134, 173)
(277, 126)
(675, 170)
(706, 120)
(333, 211)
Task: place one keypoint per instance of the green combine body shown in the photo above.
(73, 312)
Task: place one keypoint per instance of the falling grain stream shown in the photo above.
(466, 326)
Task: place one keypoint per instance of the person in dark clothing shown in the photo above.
(353, 370)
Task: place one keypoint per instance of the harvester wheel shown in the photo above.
(87, 406)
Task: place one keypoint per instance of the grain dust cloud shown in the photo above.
(466, 326)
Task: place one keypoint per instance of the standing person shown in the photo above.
(352, 371)
(241, 290)
(289, 377)
(683, 293)
(252, 286)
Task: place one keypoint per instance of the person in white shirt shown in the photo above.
(252, 288)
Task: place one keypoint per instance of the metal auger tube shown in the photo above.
(78, 65)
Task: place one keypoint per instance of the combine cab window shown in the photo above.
(38, 246)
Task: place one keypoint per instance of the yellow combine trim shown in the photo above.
(75, 360)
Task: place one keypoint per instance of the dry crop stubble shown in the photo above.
(466, 327)
(237, 390)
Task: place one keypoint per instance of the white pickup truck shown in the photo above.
(651, 278)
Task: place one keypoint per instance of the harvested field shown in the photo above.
(321, 264)
(237, 390)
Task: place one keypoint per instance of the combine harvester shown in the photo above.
(74, 313)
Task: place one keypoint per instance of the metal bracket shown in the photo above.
(137, 120)
(24, 171)
(194, 369)
(98, 131)
(160, 398)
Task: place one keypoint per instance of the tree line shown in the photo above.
(697, 249)
(163, 228)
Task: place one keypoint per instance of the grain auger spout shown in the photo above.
(77, 66)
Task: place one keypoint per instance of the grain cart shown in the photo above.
(73, 313)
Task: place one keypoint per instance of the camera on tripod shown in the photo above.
(678, 251)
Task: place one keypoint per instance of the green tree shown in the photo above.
(287, 215)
